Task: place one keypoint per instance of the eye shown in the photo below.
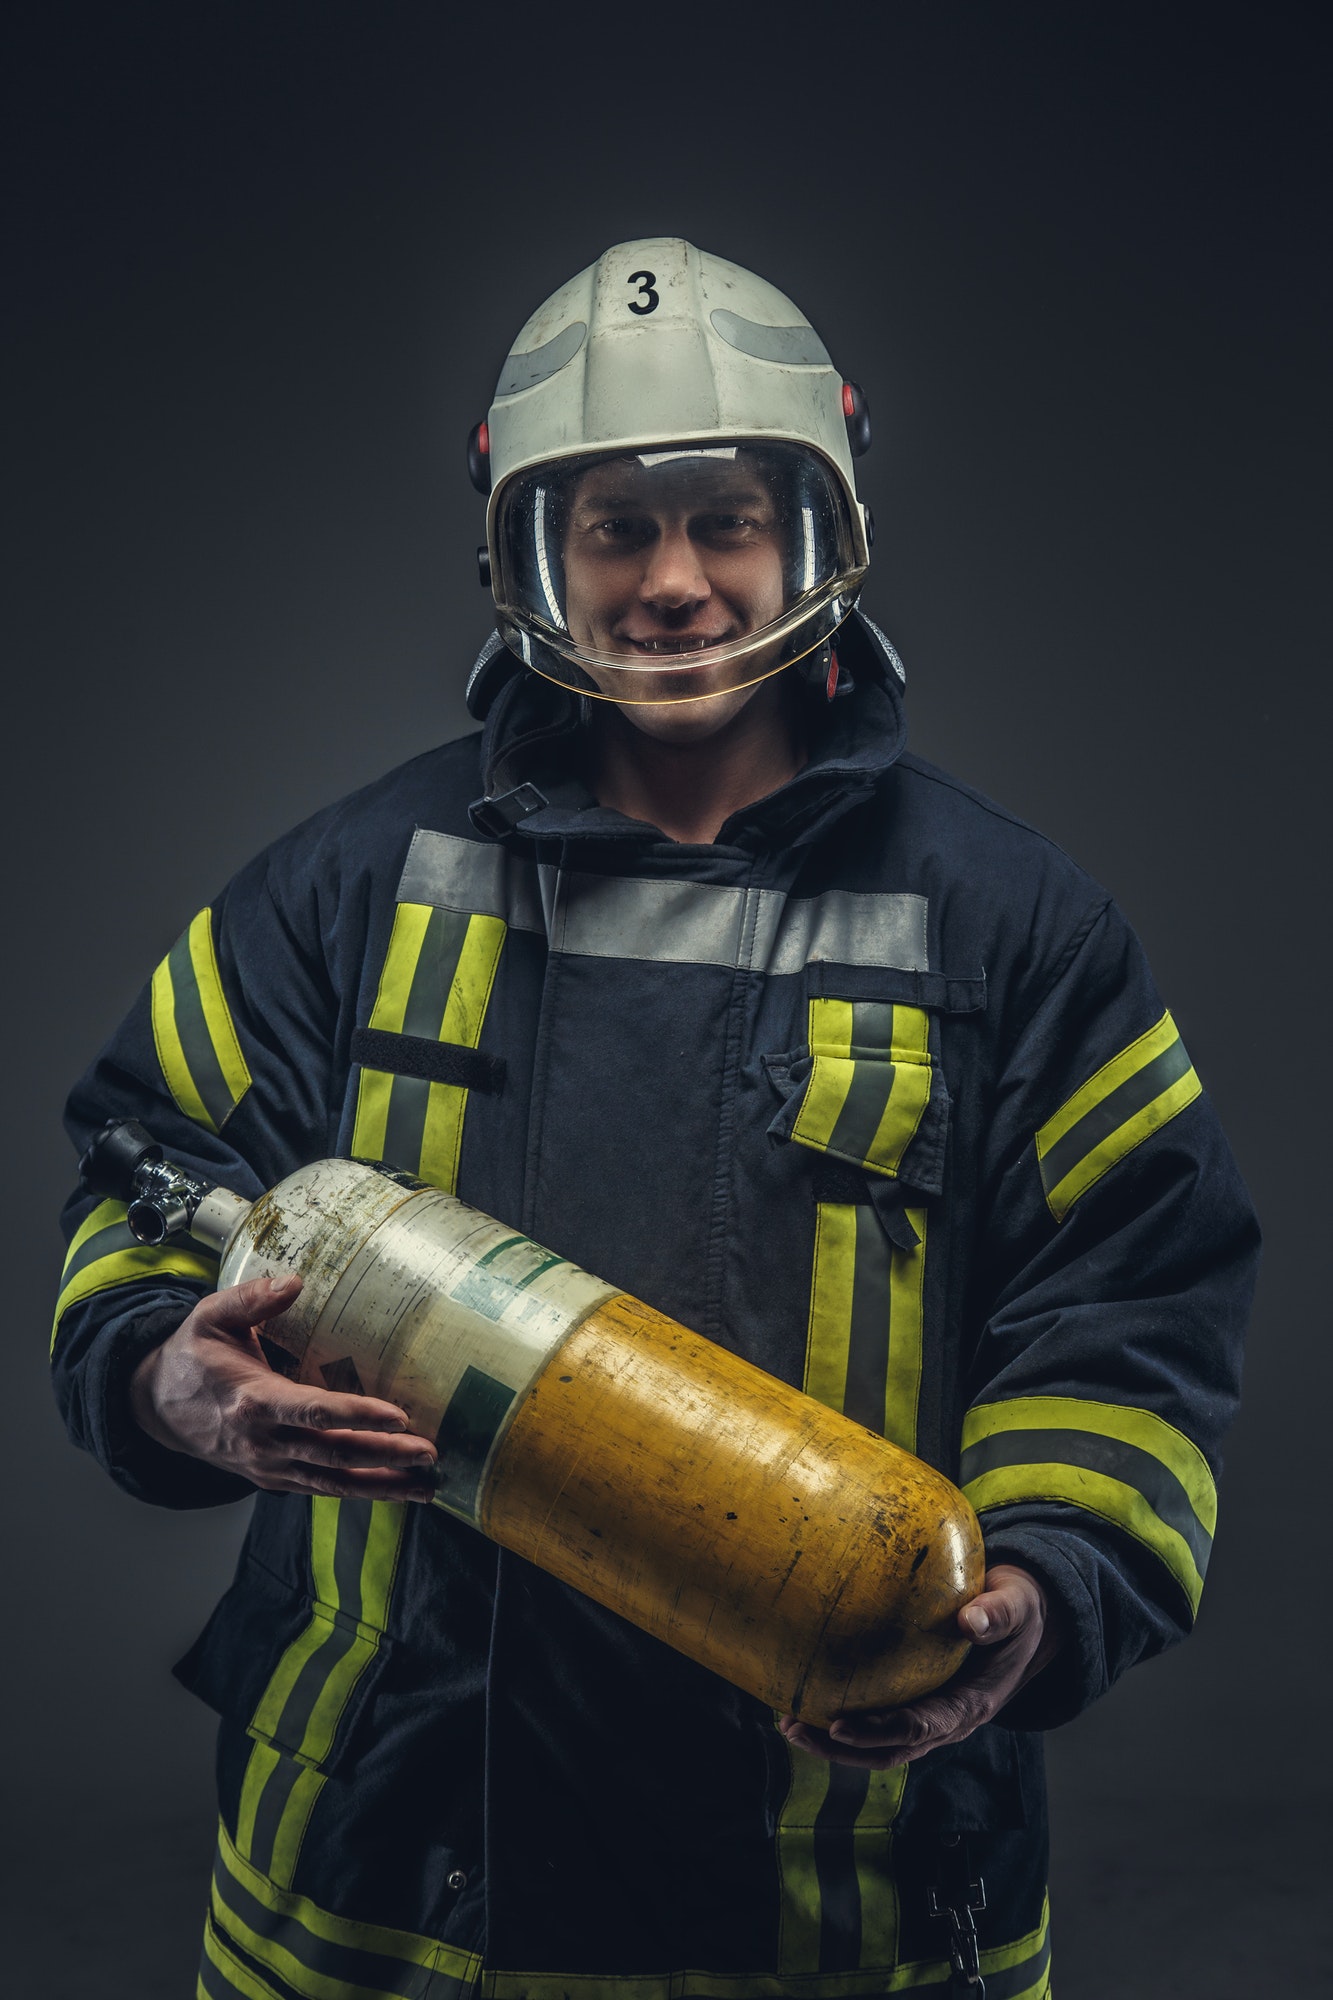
(620, 531)
(725, 530)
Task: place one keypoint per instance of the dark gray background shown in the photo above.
(268, 260)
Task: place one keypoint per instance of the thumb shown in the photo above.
(995, 1615)
(242, 1306)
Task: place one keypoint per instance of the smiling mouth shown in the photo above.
(676, 648)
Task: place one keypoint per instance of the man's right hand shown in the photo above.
(208, 1391)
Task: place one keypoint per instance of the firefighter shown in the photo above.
(685, 967)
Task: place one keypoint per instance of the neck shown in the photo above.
(689, 783)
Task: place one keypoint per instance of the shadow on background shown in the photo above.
(269, 261)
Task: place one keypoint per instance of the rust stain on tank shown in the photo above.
(267, 1227)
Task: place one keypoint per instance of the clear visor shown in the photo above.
(673, 574)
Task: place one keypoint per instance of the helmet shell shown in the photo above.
(660, 343)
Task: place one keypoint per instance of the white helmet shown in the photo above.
(673, 510)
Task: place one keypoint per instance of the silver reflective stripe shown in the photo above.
(525, 371)
(666, 923)
(474, 877)
(671, 923)
(797, 346)
(852, 927)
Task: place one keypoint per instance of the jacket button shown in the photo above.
(457, 1879)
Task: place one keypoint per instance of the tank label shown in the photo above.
(452, 1316)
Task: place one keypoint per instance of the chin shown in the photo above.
(687, 721)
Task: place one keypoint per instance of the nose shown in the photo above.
(673, 577)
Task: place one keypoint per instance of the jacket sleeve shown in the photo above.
(1118, 1260)
(226, 1059)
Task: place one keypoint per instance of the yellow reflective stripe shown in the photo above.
(825, 1094)
(828, 1337)
(1128, 1099)
(327, 1707)
(1124, 1506)
(904, 1108)
(407, 1946)
(1143, 1428)
(1132, 1133)
(170, 1054)
(801, 1904)
(464, 1013)
(239, 1977)
(400, 963)
(133, 1263)
(126, 1267)
(372, 1114)
(830, 1027)
(1108, 1078)
(324, 1512)
(872, 1848)
(268, 1714)
(902, 1387)
(102, 1217)
(829, 1330)
(306, 1788)
(375, 1089)
(830, 1030)
(193, 1031)
(470, 992)
(217, 1014)
(384, 1540)
(260, 1766)
(911, 1034)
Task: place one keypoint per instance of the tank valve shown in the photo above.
(164, 1199)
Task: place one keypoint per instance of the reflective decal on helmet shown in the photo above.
(797, 346)
(525, 371)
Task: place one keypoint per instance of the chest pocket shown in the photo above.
(867, 1091)
(869, 1082)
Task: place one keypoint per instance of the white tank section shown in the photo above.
(411, 1295)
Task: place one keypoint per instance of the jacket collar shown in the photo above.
(534, 790)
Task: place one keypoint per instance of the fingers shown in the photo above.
(242, 1306)
(879, 1743)
(309, 1408)
(346, 1449)
(1006, 1623)
(355, 1483)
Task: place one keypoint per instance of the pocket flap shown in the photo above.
(869, 1091)
(296, 1672)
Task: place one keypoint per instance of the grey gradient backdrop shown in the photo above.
(267, 261)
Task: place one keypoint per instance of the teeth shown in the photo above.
(672, 645)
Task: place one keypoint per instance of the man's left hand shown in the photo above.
(1014, 1635)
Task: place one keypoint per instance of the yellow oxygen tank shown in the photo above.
(793, 1552)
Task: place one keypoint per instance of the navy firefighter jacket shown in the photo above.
(875, 1090)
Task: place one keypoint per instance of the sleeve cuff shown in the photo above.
(1077, 1675)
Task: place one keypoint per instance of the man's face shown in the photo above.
(664, 560)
